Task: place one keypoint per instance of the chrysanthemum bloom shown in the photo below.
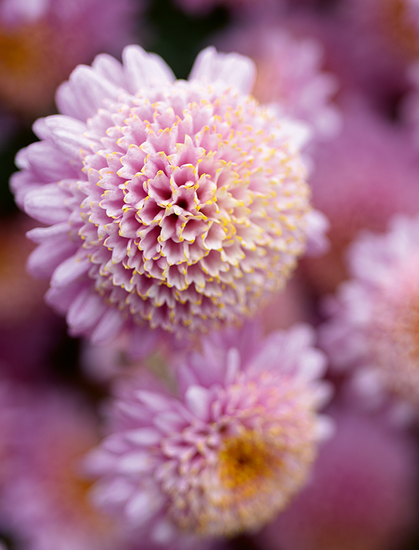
(361, 495)
(374, 320)
(45, 502)
(360, 180)
(228, 452)
(41, 42)
(289, 72)
(177, 204)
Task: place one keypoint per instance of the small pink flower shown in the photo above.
(374, 324)
(361, 494)
(228, 452)
(41, 41)
(171, 204)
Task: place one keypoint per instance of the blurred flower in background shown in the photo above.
(362, 493)
(374, 320)
(41, 41)
(45, 497)
(226, 453)
(289, 73)
(360, 180)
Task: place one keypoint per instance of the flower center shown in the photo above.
(244, 460)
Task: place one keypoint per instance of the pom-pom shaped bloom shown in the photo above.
(289, 72)
(228, 452)
(41, 42)
(181, 204)
(375, 316)
(361, 493)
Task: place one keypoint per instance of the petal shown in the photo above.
(41, 234)
(143, 69)
(140, 508)
(111, 69)
(69, 271)
(84, 93)
(232, 69)
(49, 255)
(47, 204)
(198, 400)
(65, 132)
(85, 311)
(47, 163)
(108, 328)
(134, 462)
(143, 436)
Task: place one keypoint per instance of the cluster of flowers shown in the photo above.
(221, 396)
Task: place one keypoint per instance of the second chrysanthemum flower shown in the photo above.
(225, 452)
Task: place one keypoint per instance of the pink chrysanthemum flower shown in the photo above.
(228, 452)
(41, 42)
(177, 204)
(374, 323)
(361, 495)
(45, 501)
(289, 72)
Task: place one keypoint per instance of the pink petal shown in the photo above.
(198, 400)
(85, 311)
(232, 69)
(65, 132)
(143, 69)
(47, 204)
(108, 328)
(69, 271)
(84, 93)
